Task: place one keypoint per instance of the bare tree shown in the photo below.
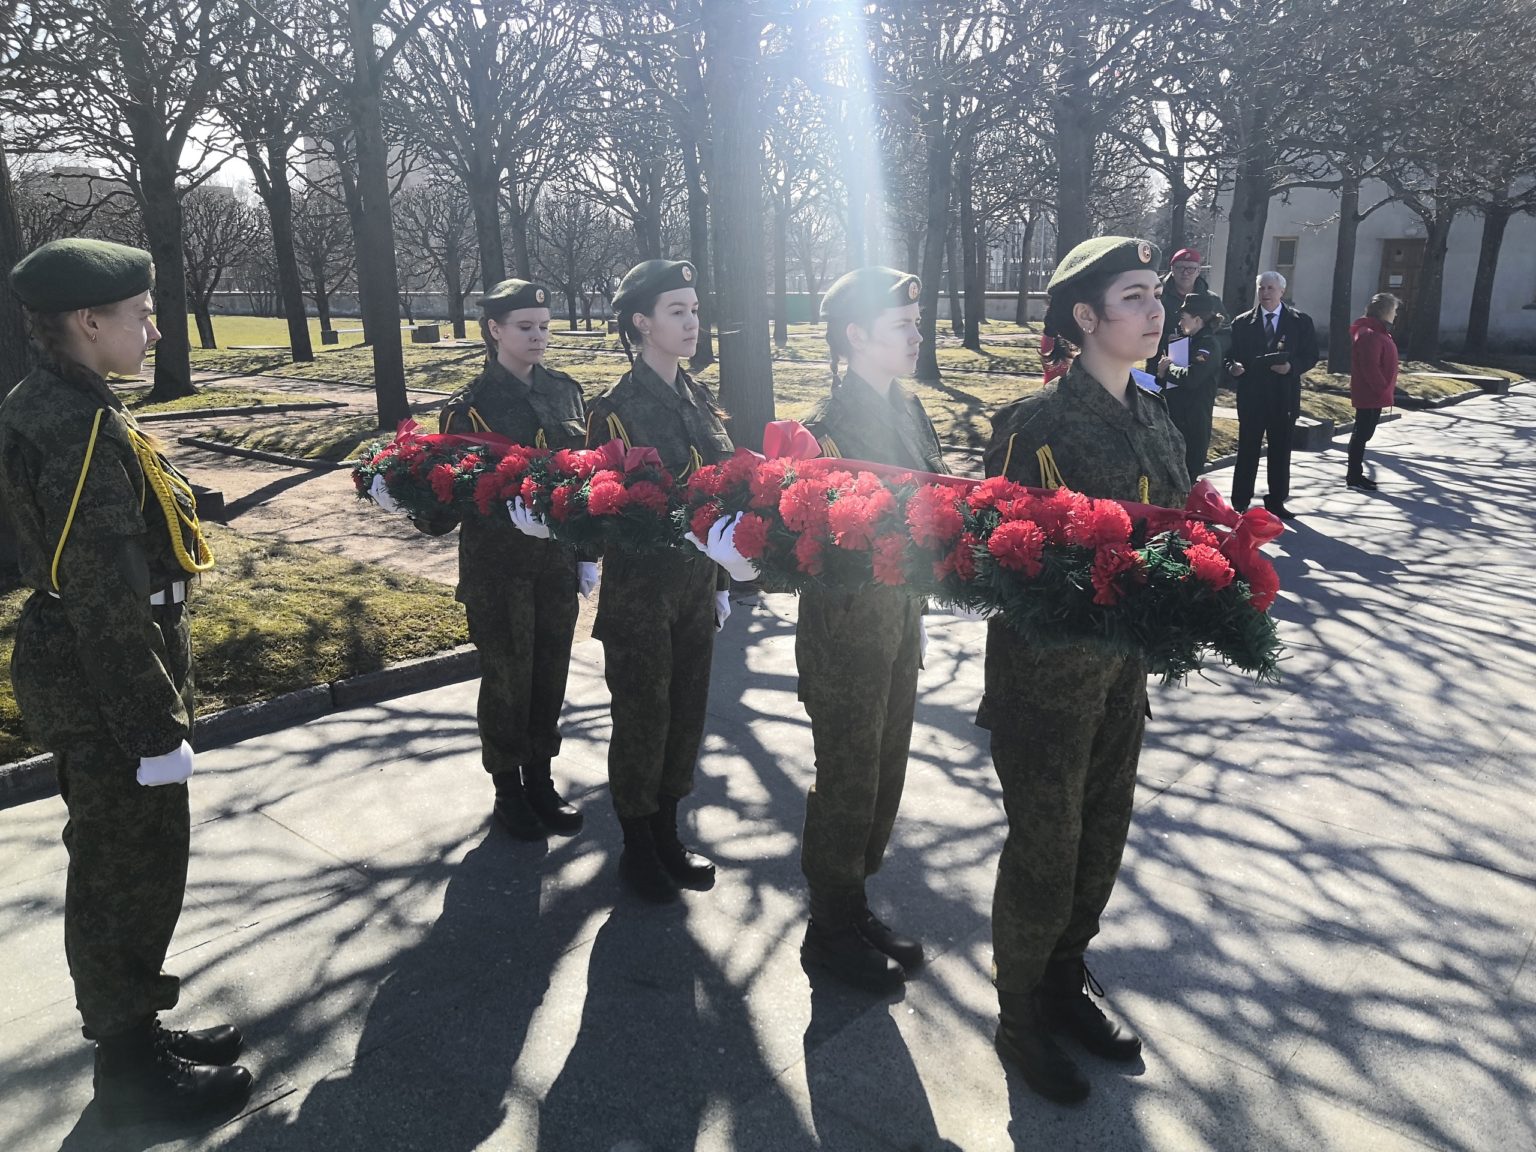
(218, 231)
(580, 244)
(148, 72)
(436, 225)
(322, 237)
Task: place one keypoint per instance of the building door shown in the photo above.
(1401, 262)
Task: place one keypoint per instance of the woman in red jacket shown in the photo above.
(1372, 379)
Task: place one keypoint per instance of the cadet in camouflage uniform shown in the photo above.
(1190, 391)
(518, 586)
(658, 614)
(859, 651)
(107, 536)
(1066, 723)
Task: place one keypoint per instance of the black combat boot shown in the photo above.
(833, 942)
(218, 1046)
(547, 804)
(1027, 1047)
(139, 1079)
(513, 812)
(640, 867)
(903, 949)
(1067, 1008)
(688, 868)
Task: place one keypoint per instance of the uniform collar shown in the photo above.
(86, 380)
(646, 376)
(1082, 389)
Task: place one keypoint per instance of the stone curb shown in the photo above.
(258, 454)
(33, 778)
(245, 410)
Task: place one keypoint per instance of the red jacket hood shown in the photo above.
(1371, 322)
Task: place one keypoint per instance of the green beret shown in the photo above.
(1202, 304)
(865, 292)
(1107, 255)
(510, 295)
(67, 275)
(641, 285)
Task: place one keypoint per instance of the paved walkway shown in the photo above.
(1323, 928)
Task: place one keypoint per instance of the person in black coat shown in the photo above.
(1273, 346)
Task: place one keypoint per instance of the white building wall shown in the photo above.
(1311, 215)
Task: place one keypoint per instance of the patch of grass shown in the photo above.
(212, 396)
(333, 436)
(1223, 438)
(274, 617)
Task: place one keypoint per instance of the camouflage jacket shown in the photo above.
(93, 543)
(1074, 434)
(548, 413)
(682, 424)
(858, 423)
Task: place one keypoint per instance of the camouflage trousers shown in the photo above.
(656, 620)
(127, 876)
(857, 654)
(1066, 735)
(523, 628)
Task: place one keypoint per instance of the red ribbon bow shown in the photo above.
(614, 455)
(789, 438)
(1251, 530)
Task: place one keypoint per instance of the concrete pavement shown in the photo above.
(1323, 928)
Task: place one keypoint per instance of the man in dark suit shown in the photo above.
(1273, 346)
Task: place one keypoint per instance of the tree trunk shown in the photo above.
(279, 198)
(522, 264)
(160, 207)
(573, 322)
(953, 283)
(975, 287)
(1245, 232)
(780, 271)
(377, 239)
(204, 324)
(453, 281)
(362, 258)
(1495, 219)
(812, 286)
(1341, 304)
(732, 44)
(1075, 136)
(940, 173)
(698, 251)
(1021, 306)
(15, 349)
(1424, 335)
(485, 202)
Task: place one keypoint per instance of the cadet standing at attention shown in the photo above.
(658, 613)
(1066, 722)
(859, 651)
(107, 536)
(518, 586)
(1190, 390)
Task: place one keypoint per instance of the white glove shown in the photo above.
(721, 548)
(922, 643)
(380, 493)
(527, 521)
(586, 578)
(172, 768)
(722, 609)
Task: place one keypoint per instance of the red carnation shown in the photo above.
(962, 558)
(707, 481)
(529, 491)
(808, 554)
(1198, 533)
(751, 538)
(1018, 545)
(704, 517)
(513, 464)
(1055, 513)
(648, 495)
(890, 559)
(606, 497)
(933, 516)
(487, 492)
(560, 502)
(852, 519)
(992, 491)
(580, 462)
(441, 478)
(1109, 564)
(767, 482)
(1208, 566)
(1264, 585)
(803, 506)
(1099, 523)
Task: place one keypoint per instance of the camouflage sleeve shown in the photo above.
(1018, 435)
(101, 567)
(598, 431)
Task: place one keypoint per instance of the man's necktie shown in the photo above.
(1269, 329)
